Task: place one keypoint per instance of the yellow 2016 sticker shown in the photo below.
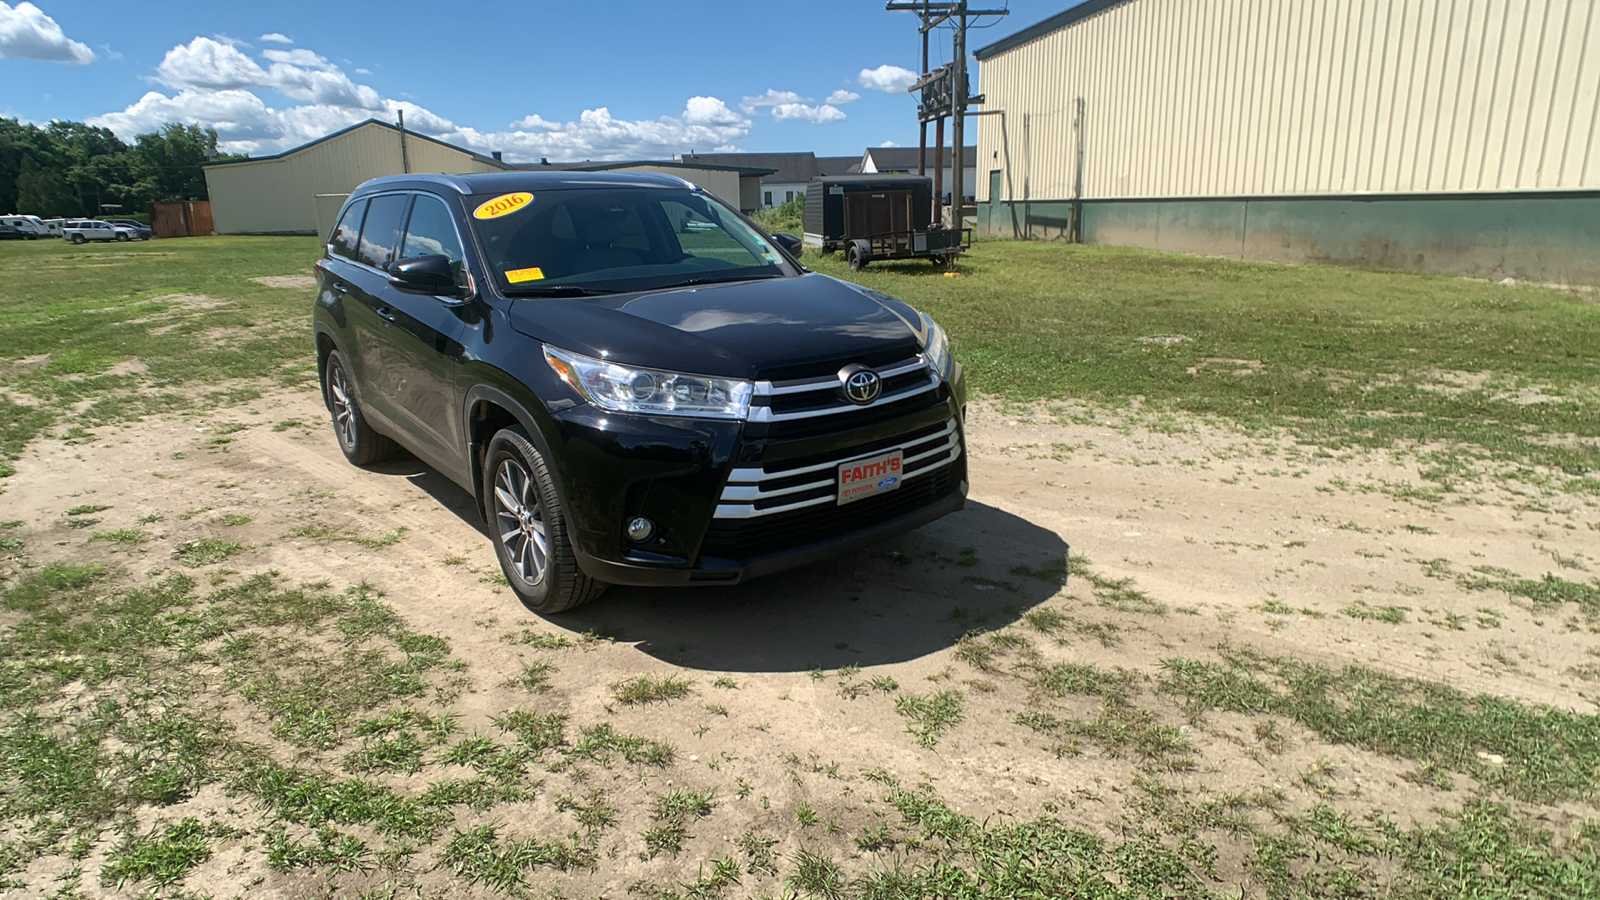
(503, 205)
(533, 273)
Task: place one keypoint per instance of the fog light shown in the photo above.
(640, 529)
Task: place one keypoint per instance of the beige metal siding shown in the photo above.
(274, 196)
(723, 183)
(1189, 98)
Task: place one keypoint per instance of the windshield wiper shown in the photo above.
(554, 290)
(693, 281)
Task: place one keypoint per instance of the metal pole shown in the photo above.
(405, 163)
(922, 126)
(957, 132)
(938, 171)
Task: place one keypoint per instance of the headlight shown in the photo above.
(936, 347)
(628, 390)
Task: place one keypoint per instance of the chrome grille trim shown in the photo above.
(744, 485)
(773, 388)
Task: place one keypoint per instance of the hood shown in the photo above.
(737, 330)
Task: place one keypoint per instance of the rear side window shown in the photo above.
(432, 231)
(380, 234)
(348, 231)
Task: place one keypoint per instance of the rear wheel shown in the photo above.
(857, 259)
(79, 239)
(528, 525)
(360, 444)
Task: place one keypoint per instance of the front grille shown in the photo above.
(770, 490)
(743, 538)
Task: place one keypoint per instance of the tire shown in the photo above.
(79, 239)
(123, 237)
(528, 526)
(360, 443)
(856, 259)
(942, 263)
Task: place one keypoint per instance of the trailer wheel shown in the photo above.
(942, 263)
(858, 260)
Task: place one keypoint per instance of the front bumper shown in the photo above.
(734, 500)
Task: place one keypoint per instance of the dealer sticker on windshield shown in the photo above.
(862, 478)
(503, 205)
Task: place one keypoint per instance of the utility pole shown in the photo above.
(405, 163)
(944, 94)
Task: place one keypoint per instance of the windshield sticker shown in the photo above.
(516, 276)
(505, 204)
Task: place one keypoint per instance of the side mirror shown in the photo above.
(790, 244)
(430, 273)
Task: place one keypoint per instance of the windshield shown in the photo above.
(617, 239)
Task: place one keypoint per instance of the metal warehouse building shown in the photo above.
(1451, 135)
(279, 194)
(300, 191)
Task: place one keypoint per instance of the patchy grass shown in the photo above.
(651, 689)
(318, 532)
(205, 551)
(1549, 754)
(929, 715)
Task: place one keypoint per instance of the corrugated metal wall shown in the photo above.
(277, 196)
(1196, 98)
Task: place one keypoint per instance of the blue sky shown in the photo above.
(585, 80)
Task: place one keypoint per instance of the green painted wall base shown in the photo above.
(1551, 237)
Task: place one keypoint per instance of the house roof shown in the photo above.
(362, 124)
(670, 164)
(786, 167)
(1060, 20)
(837, 165)
(904, 159)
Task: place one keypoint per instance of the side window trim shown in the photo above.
(405, 233)
(399, 231)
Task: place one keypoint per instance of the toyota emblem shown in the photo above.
(861, 384)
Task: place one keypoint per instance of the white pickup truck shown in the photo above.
(81, 231)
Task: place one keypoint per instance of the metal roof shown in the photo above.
(344, 131)
(670, 164)
(1056, 22)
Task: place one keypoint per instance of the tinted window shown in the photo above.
(381, 231)
(349, 230)
(431, 231)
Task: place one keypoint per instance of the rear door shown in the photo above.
(425, 350)
(367, 280)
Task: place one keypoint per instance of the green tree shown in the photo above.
(45, 191)
(167, 164)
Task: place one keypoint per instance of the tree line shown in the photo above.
(72, 170)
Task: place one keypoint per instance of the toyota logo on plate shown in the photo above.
(861, 384)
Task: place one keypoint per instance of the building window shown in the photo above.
(788, 196)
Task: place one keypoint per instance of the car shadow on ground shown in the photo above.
(895, 601)
(899, 600)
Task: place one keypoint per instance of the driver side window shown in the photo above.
(431, 230)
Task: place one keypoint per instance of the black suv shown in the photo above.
(638, 385)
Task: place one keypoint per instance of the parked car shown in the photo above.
(140, 229)
(630, 401)
(80, 231)
(13, 233)
(27, 227)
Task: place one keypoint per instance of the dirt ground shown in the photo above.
(1244, 540)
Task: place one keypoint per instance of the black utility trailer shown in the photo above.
(879, 217)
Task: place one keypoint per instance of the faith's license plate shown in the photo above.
(861, 478)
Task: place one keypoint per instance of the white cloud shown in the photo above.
(27, 33)
(363, 71)
(214, 81)
(887, 78)
(817, 115)
(842, 96)
(276, 37)
(888, 144)
(770, 98)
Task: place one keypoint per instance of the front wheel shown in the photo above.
(528, 525)
(79, 239)
(360, 444)
(123, 238)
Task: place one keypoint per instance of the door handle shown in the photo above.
(340, 287)
(386, 314)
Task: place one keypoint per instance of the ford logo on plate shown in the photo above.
(861, 384)
(888, 481)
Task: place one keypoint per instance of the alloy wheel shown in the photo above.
(519, 516)
(344, 416)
